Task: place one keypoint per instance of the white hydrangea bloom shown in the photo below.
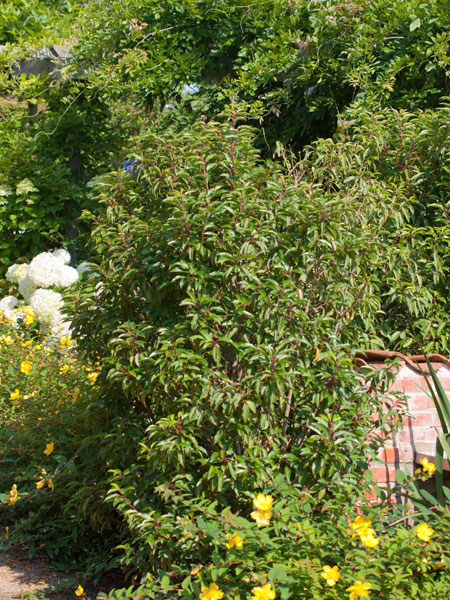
(8, 304)
(62, 255)
(44, 270)
(46, 305)
(26, 288)
(67, 276)
(16, 272)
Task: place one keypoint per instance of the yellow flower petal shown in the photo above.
(359, 525)
(49, 448)
(359, 588)
(26, 366)
(262, 502)
(331, 575)
(262, 517)
(13, 495)
(213, 592)
(424, 532)
(263, 593)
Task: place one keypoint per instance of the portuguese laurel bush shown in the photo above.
(224, 320)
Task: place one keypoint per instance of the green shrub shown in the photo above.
(302, 62)
(308, 550)
(224, 316)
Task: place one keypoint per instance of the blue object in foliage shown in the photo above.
(132, 167)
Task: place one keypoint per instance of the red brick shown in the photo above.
(383, 474)
(414, 384)
(370, 494)
(422, 419)
(445, 382)
(406, 454)
(389, 455)
(417, 435)
(419, 401)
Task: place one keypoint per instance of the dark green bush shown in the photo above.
(224, 318)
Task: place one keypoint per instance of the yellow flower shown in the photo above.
(26, 344)
(367, 537)
(92, 377)
(49, 448)
(29, 318)
(195, 571)
(65, 342)
(234, 541)
(13, 495)
(358, 589)
(79, 591)
(15, 395)
(359, 525)
(40, 484)
(424, 532)
(26, 366)
(263, 593)
(63, 370)
(331, 575)
(428, 467)
(211, 593)
(50, 484)
(262, 517)
(262, 502)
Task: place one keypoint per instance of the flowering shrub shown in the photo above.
(46, 270)
(309, 551)
(51, 485)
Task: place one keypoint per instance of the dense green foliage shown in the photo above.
(41, 194)
(224, 311)
(394, 164)
(26, 20)
(60, 507)
(291, 552)
(302, 62)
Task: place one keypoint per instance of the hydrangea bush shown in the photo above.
(39, 284)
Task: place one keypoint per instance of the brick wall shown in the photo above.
(418, 433)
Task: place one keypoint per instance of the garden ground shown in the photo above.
(34, 579)
(21, 577)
